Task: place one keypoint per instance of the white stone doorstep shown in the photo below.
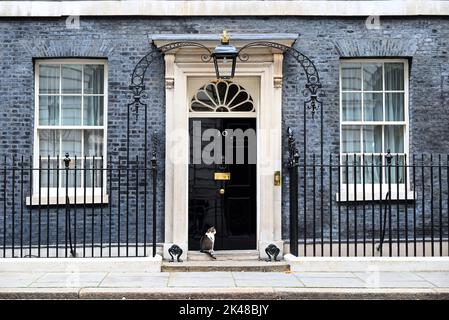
(366, 264)
(123, 264)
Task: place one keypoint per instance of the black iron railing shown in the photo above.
(368, 205)
(83, 207)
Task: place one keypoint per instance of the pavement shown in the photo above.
(225, 285)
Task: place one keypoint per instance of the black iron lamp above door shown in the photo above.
(225, 56)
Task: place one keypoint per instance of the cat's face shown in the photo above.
(211, 230)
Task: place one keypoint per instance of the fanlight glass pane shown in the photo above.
(222, 96)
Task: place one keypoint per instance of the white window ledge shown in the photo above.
(369, 196)
(80, 200)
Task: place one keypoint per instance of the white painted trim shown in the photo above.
(368, 186)
(268, 112)
(224, 8)
(53, 199)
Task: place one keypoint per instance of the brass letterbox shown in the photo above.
(222, 176)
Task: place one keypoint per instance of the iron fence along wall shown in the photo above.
(83, 207)
(354, 205)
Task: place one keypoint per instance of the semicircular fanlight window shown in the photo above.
(222, 96)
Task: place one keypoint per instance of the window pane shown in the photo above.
(394, 139)
(372, 77)
(351, 76)
(394, 76)
(353, 165)
(93, 111)
(71, 111)
(93, 79)
(49, 173)
(396, 171)
(48, 110)
(372, 139)
(373, 106)
(71, 142)
(71, 175)
(351, 139)
(394, 106)
(352, 108)
(93, 143)
(48, 143)
(48, 78)
(373, 168)
(93, 172)
(71, 78)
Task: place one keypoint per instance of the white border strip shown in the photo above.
(223, 8)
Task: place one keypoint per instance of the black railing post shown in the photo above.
(293, 163)
(389, 157)
(67, 208)
(154, 176)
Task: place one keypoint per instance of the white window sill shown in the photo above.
(377, 196)
(80, 200)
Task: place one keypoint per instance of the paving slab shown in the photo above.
(200, 279)
(63, 284)
(328, 282)
(324, 274)
(399, 284)
(72, 276)
(5, 276)
(388, 276)
(138, 280)
(19, 283)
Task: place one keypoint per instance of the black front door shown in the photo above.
(222, 182)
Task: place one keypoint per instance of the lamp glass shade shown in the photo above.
(225, 57)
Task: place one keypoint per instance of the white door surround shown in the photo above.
(263, 68)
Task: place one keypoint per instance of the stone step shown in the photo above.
(235, 266)
(225, 255)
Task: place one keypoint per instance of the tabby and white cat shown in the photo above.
(207, 242)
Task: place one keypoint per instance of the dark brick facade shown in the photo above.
(123, 41)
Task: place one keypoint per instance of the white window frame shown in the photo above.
(93, 195)
(355, 193)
